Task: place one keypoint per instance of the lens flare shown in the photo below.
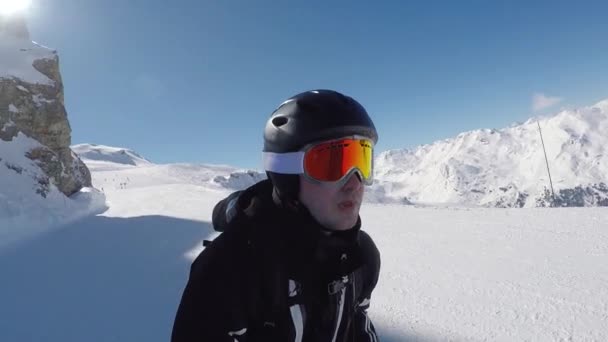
(8, 7)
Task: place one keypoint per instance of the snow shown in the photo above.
(12, 108)
(39, 100)
(7, 125)
(17, 57)
(114, 155)
(24, 212)
(239, 179)
(111, 264)
(449, 273)
(492, 274)
(491, 167)
(487, 167)
(118, 168)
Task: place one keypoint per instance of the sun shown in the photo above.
(8, 7)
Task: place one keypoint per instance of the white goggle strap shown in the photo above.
(291, 163)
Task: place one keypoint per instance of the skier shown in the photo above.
(292, 263)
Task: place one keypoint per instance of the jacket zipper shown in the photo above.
(296, 310)
(340, 307)
(298, 322)
(354, 285)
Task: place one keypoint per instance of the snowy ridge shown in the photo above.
(506, 167)
(93, 152)
(239, 180)
(115, 168)
(17, 58)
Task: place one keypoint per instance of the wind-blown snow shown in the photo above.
(448, 274)
(17, 57)
(503, 167)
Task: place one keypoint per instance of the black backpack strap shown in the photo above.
(225, 211)
(268, 286)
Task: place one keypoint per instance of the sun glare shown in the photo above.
(8, 7)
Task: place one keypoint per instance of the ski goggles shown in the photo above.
(327, 161)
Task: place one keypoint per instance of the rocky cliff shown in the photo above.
(32, 102)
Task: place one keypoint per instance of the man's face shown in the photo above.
(336, 208)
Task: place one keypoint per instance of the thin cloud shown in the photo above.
(540, 101)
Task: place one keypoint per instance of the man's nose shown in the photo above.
(353, 183)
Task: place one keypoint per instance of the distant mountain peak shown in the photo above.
(507, 167)
(103, 153)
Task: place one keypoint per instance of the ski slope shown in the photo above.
(448, 273)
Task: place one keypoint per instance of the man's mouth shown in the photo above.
(346, 204)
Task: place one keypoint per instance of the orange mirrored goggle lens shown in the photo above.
(330, 161)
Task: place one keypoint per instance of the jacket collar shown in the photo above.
(294, 231)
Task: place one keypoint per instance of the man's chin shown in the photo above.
(347, 223)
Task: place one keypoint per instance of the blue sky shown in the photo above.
(194, 81)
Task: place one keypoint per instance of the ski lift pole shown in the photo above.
(546, 162)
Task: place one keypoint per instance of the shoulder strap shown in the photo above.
(268, 282)
(225, 211)
(367, 276)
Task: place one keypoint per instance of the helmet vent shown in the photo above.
(279, 121)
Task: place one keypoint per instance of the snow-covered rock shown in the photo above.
(32, 103)
(29, 202)
(42, 182)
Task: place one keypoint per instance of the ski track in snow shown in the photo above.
(448, 274)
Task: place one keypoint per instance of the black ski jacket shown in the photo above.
(276, 275)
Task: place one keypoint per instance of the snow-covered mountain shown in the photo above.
(487, 167)
(121, 168)
(109, 154)
(506, 167)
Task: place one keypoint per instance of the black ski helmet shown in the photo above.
(308, 117)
